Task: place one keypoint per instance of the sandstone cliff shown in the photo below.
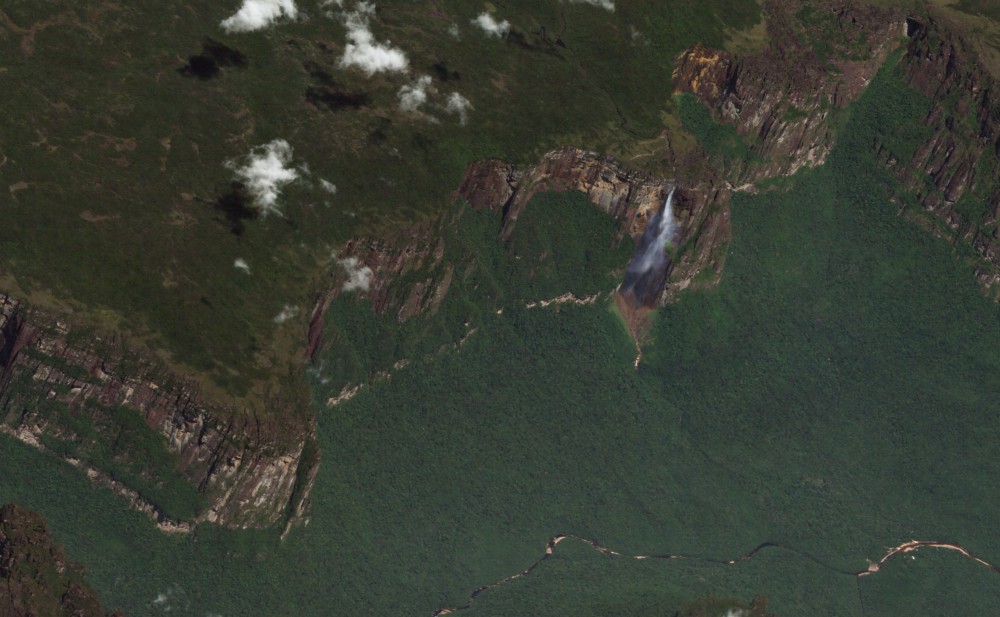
(412, 274)
(782, 98)
(701, 206)
(150, 435)
(819, 57)
(955, 173)
(630, 196)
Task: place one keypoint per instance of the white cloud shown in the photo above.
(241, 264)
(287, 312)
(362, 51)
(413, 96)
(328, 3)
(266, 170)
(458, 104)
(328, 186)
(453, 31)
(259, 14)
(608, 5)
(358, 276)
(491, 26)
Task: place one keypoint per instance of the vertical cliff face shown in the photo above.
(819, 58)
(701, 208)
(955, 172)
(36, 577)
(491, 184)
(786, 101)
(149, 434)
(411, 274)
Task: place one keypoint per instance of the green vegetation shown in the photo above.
(37, 577)
(830, 38)
(975, 204)
(979, 7)
(115, 440)
(115, 159)
(835, 394)
(561, 244)
(720, 141)
(892, 116)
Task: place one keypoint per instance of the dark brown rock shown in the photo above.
(36, 577)
(780, 98)
(246, 466)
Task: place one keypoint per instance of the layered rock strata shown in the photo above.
(780, 98)
(60, 383)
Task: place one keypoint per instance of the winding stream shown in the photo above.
(872, 568)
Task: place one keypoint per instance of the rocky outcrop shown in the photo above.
(955, 173)
(152, 435)
(701, 208)
(417, 249)
(36, 577)
(411, 272)
(780, 98)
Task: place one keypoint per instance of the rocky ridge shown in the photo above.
(628, 195)
(59, 385)
(781, 98)
(955, 172)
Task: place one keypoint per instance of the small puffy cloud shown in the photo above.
(459, 105)
(362, 51)
(328, 186)
(264, 172)
(259, 14)
(326, 4)
(413, 96)
(453, 31)
(359, 276)
(608, 5)
(491, 26)
(241, 264)
(287, 312)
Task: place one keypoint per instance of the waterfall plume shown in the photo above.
(646, 274)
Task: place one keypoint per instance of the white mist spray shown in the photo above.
(662, 232)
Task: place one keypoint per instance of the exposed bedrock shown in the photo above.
(61, 385)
